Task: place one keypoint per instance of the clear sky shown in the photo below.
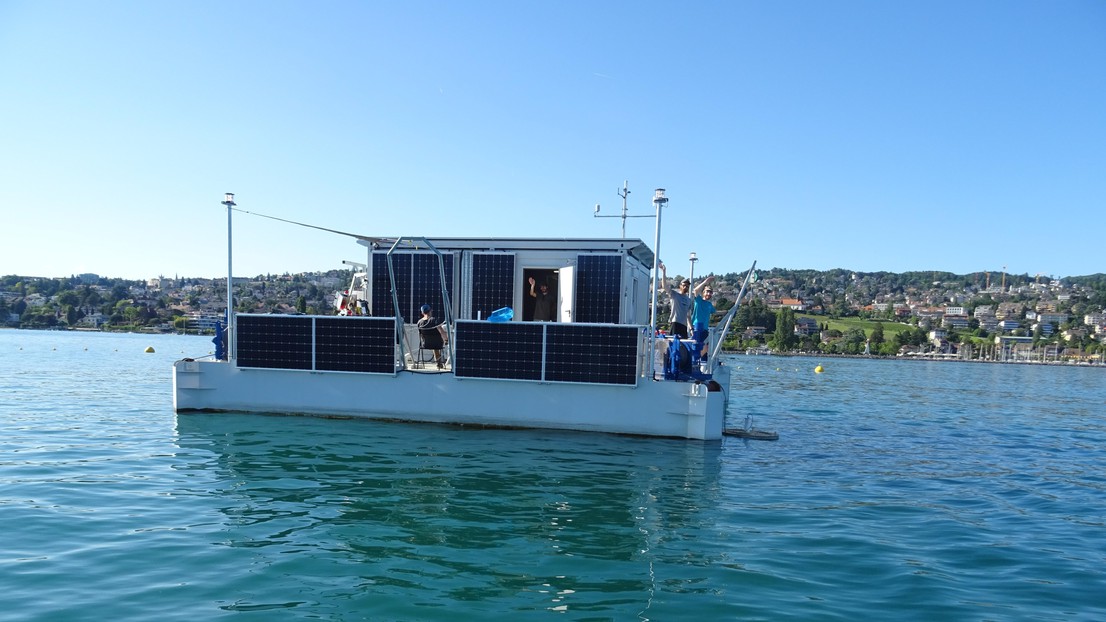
(867, 135)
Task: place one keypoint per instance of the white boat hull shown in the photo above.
(651, 408)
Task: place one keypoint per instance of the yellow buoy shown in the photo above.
(149, 349)
(818, 369)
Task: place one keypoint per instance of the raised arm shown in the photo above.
(703, 284)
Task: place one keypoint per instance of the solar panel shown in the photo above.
(598, 288)
(510, 350)
(592, 354)
(418, 282)
(493, 283)
(382, 285)
(360, 344)
(426, 283)
(571, 352)
(273, 341)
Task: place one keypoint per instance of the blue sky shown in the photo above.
(938, 135)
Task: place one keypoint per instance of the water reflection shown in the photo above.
(431, 514)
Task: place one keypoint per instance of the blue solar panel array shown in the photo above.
(418, 282)
(510, 350)
(381, 293)
(582, 353)
(360, 344)
(493, 283)
(357, 344)
(598, 288)
(551, 352)
(273, 341)
(426, 283)
(593, 354)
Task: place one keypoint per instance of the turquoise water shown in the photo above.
(898, 490)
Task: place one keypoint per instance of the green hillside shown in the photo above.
(890, 329)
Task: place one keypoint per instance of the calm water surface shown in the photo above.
(898, 490)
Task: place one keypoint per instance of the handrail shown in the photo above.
(447, 311)
(730, 315)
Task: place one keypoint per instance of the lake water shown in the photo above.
(904, 490)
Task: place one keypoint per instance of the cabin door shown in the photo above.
(566, 290)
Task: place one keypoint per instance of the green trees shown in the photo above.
(877, 336)
(854, 341)
(915, 336)
(784, 337)
(839, 308)
(754, 312)
(72, 314)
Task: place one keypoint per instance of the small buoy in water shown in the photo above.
(149, 349)
(818, 369)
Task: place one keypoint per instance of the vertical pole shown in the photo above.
(625, 193)
(658, 202)
(228, 200)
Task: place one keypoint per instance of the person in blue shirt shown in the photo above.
(701, 311)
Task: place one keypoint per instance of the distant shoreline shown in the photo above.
(735, 353)
(917, 358)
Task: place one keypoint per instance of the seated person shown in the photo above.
(432, 334)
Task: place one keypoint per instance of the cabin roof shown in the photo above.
(634, 247)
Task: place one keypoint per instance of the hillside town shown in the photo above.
(979, 316)
(983, 316)
(161, 304)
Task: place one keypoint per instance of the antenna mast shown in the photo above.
(624, 192)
